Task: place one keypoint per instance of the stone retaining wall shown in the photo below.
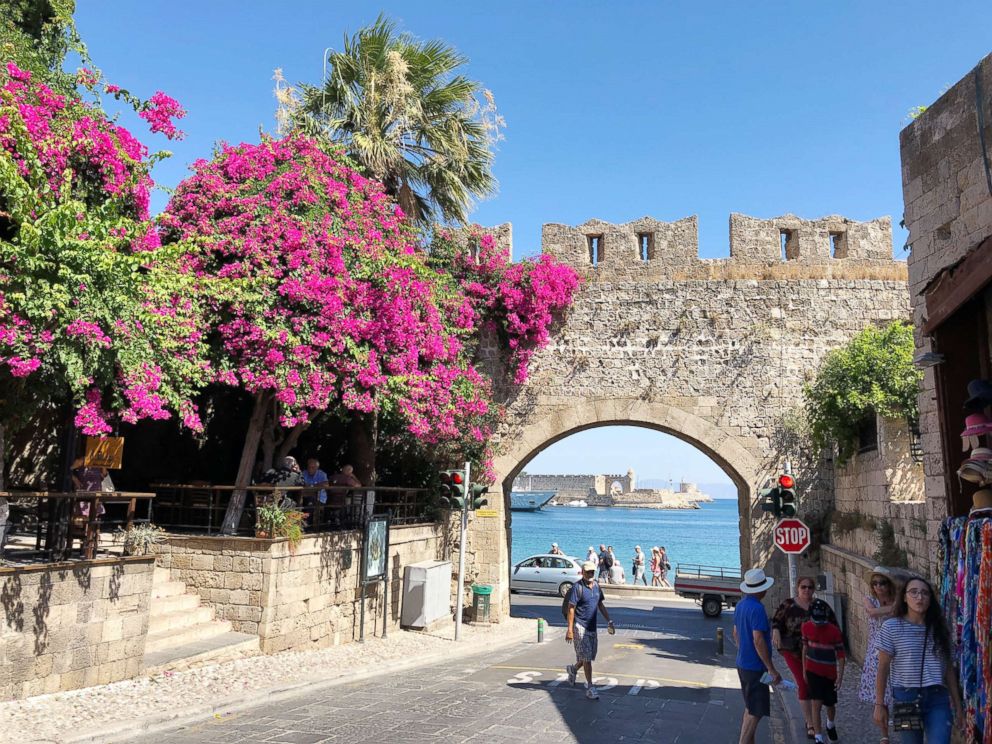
(309, 598)
(72, 625)
(851, 574)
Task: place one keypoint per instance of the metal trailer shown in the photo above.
(713, 587)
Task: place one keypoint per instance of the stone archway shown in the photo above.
(491, 538)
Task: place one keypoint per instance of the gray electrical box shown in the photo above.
(426, 594)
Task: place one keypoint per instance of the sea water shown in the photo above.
(709, 535)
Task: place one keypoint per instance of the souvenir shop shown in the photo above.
(959, 305)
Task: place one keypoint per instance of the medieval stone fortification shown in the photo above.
(610, 490)
(714, 351)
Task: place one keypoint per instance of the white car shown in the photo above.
(551, 574)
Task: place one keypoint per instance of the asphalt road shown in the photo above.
(660, 678)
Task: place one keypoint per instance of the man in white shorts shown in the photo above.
(584, 601)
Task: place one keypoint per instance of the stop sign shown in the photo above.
(791, 535)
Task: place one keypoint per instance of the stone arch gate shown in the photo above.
(714, 352)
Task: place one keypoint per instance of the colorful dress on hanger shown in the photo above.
(866, 690)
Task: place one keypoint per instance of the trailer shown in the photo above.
(713, 587)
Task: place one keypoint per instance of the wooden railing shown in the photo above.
(59, 517)
(200, 507)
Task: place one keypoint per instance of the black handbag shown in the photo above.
(908, 716)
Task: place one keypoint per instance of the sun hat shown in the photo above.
(554, 545)
(755, 581)
(974, 426)
(588, 566)
(980, 392)
(976, 471)
(819, 612)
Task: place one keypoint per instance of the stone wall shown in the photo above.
(712, 351)
(851, 573)
(72, 625)
(309, 598)
(879, 507)
(948, 212)
(573, 483)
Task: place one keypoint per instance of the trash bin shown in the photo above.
(480, 603)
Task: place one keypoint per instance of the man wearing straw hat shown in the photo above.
(753, 636)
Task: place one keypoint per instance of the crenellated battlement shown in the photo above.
(781, 247)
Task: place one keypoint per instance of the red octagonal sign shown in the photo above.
(791, 535)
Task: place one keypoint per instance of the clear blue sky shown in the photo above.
(615, 110)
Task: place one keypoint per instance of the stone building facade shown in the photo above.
(713, 351)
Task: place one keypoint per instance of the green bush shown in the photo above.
(874, 372)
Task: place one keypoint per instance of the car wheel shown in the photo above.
(712, 606)
(564, 588)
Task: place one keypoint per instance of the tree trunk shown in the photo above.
(237, 503)
(289, 441)
(362, 432)
(269, 437)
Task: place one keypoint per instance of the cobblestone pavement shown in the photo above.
(666, 684)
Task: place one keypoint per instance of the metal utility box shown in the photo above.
(426, 594)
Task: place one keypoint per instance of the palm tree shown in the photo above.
(403, 112)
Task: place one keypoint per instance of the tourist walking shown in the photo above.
(664, 566)
(655, 567)
(585, 601)
(914, 654)
(823, 667)
(878, 604)
(605, 563)
(787, 639)
(752, 635)
(638, 565)
(555, 550)
(592, 555)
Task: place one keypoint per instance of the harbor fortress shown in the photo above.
(609, 490)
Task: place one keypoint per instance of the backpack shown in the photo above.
(565, 603)
(608, 560)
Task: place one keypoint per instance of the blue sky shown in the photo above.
(615, 110)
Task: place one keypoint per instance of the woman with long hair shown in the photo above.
(878, 604)
(914, 654)
(655, 567)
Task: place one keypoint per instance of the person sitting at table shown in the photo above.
(87, 479)
(314, 477)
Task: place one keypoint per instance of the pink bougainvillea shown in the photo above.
(160, 112)
(88, 306)
(338, 306)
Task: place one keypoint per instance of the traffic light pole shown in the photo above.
(461, 555)
(793, 558)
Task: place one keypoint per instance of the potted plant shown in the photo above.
(280, 520)
(138, 538)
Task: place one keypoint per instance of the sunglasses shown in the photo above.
(807, 586)
(880, 583)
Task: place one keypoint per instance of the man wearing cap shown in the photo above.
(584, 601)
(752, 634)
(555, 550)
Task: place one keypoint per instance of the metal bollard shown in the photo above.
(540, 630)
(719, 641)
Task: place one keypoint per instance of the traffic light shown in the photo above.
(478, 492)
(789, 505)
(771, 500)
(453, 488)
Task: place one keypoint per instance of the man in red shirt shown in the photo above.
(823, 666)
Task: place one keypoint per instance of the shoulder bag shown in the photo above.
(908, 716)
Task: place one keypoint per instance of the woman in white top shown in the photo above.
(914, 654)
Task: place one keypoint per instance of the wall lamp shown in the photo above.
(928, 359)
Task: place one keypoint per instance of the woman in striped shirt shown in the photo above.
(915, 655)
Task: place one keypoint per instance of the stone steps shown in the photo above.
(183, 634)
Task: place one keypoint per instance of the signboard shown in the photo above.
(376, 549)
(486, 513)
(791, 535)
(104, 452)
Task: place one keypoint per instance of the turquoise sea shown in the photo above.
(707, 535)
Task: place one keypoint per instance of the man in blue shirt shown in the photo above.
(315, 477)
(584, 601)
(752, 634)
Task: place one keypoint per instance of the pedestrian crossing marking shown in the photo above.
(557, 670)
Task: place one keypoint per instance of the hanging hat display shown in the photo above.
(980, 395)
(976, 471)
(975, 425)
